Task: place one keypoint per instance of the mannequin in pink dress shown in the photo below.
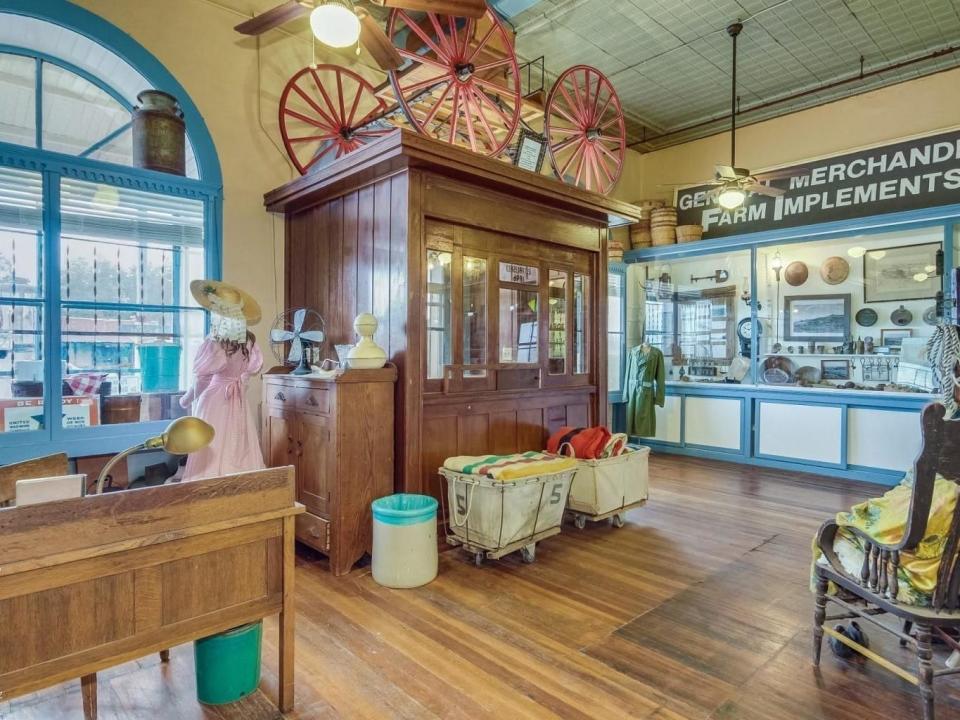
(224, 364)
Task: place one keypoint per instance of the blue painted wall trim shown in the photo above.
(100, 31)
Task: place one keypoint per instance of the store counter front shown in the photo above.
(867, 435)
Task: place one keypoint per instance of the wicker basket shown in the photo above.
(689, 233)
(663, 225)
(640, 235)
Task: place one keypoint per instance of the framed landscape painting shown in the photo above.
(901, 273)
(816, 317)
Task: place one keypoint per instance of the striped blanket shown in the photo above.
(509, 467)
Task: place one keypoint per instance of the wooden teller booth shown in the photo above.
(489, 283)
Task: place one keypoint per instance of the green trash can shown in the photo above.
(228, 664)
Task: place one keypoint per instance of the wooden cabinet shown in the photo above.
(488, 282)
(338, 434)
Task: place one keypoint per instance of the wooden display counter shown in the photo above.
(102, 580)
(489, 283)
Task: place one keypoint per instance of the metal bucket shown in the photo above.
(159, 133)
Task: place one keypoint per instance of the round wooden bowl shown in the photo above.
(664, 235)
(689, 233)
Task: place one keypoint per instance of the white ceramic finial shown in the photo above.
(366, 354)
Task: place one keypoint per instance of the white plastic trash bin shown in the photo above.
(404, 540)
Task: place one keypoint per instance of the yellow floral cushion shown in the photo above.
(884, 519)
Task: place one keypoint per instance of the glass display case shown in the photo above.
(852, 313)
(697, 312)
(499, 317)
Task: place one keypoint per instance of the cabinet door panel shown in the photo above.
(315, 450)
(281, 434)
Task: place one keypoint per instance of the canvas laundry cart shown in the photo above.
(609, 487)
(494, 513)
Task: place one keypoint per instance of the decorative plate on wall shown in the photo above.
(901, 316)
(796, 273)
(930, 315)
(866, 317)
(834, 270)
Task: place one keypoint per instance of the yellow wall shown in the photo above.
(195, 40)
(918, 107)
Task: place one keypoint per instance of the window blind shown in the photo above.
(21, 200)
(114, 213)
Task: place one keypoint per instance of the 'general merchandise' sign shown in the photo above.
(919, 173)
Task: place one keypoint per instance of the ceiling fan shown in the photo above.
(342, 23)
(734, 183)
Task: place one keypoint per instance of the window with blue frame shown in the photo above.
(97, 325)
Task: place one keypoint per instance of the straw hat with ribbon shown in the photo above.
(234, 308)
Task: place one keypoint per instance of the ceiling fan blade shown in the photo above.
(768, 190)
(314, 336)
(695, 183)
(726, 172)
(460, 8)
(279, 336)
(275, 17)
(781, 174)
(376, 42)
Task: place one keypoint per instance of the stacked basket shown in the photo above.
(663, 225)
(640, 231)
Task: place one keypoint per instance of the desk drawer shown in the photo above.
(315, 400)
(313, 531)
(280, 395)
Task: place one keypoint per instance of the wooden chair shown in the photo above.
(48, 466)
(875, 590)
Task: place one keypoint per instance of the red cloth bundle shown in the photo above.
(587, 443)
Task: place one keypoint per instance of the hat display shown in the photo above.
(232, 308)
(834, 270)
(225, 300)
(796, 273)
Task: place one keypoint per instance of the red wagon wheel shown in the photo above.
(327, 111)
(583, 123)
(461, 81)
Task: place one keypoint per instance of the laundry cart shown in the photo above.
(493, 517)
(608, 487)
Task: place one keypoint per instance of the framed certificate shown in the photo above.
(530, 150)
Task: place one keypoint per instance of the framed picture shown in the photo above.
(902, 273)
(835, 369)
(816, 317)
(893, 337)
(530, 150)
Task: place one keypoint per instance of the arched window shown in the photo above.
(97, 326)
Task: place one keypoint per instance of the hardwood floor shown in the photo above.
(697, 608)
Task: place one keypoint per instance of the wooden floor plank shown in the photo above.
(698, 608)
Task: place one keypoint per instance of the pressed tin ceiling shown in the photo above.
(669, 60)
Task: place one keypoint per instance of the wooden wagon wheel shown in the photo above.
(461, 81)
(583, 123)
(327, 111)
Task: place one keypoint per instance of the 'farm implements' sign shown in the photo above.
(919, 173)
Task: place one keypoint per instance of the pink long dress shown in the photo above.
(219, 394)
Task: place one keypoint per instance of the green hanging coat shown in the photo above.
(644, 386)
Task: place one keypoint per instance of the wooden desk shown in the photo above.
(98, 581)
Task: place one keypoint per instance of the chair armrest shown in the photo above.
(881, 563)
(825, 538)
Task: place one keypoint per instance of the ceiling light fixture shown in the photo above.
(335, 23)
(731, 197)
